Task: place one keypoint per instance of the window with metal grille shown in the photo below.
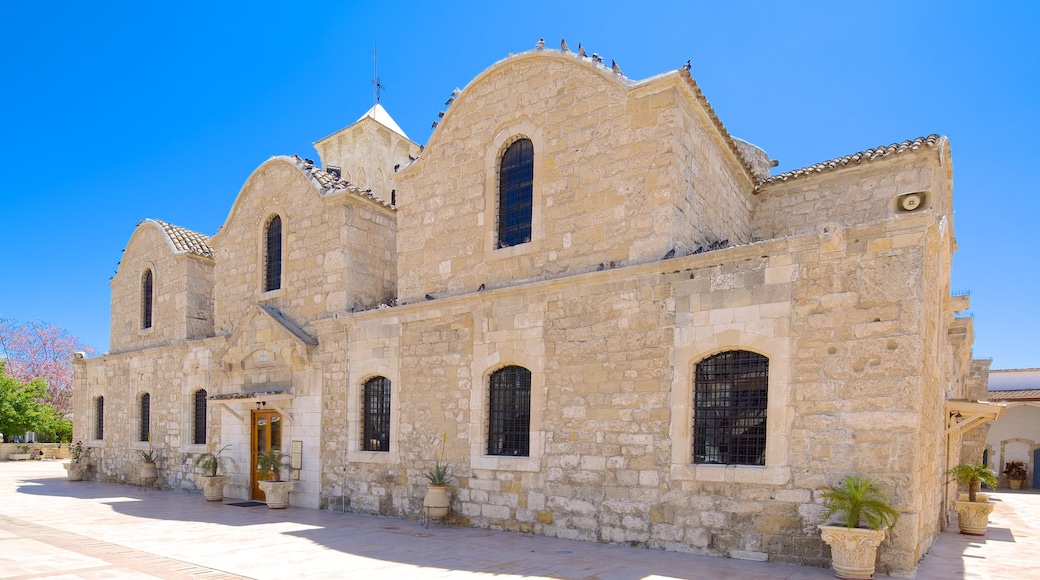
(509, 412)
(375, 414)
(99, 418)
(146, 300)
(515, 185)
(198, 424)
(273, 254)
(729, 409)
(145, 431)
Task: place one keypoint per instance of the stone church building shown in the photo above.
(597, 306)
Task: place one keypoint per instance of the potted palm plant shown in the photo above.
(973, 513)
(148, 473)
(1015, 471)
(863, 515)
(269, 468)
(213, 464)
(79, 465)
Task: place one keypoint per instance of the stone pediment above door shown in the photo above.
(266, 338)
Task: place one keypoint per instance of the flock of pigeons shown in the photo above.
(540, 45)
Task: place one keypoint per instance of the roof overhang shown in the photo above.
(264, 398)
(962, 415)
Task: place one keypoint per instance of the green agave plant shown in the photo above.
(858, 499)
(973, 475)
(438, 475)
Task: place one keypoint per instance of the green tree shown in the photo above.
(22, 406)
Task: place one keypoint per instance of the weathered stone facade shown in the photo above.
(657, 240)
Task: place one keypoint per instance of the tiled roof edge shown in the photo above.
(880, 152)
(328, 183)
(699, 94)
(185, 240)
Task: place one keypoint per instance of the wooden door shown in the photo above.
(267, 436)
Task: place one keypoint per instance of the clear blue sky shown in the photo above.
(113, 112)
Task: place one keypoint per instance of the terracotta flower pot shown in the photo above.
(148, 474)
(436, 503)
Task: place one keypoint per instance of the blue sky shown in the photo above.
(115, 112)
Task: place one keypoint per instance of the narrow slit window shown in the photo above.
(99, 418)
(273, 254)
(509, 412)
(145, 431)
(515, 194)
(198, 425)
(146, 299)
(375, 414)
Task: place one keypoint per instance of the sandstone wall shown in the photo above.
(622, 174)
(337, 252)
(367, 153)
(856, 194)
(612, 355)
(181, 293)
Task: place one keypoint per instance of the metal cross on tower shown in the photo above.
(376, 85)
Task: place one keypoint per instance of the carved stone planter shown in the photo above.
(978, 497)
(276, 493)
(853, 550)
(1016, 483)
(973, 517)
(212, 486)
(18, 456)
(77, 471)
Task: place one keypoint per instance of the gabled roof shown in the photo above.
(380, 115)
(328, 183)
(881, 152)
(184, 240)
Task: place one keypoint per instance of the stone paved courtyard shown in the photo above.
(52, 528)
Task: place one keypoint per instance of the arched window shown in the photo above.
(144, 430)
(729, 409)
(515, 186)
(198, 418)
(273, 254)
(375, 414)
(146, 299)
(99, 418)
(509, 412)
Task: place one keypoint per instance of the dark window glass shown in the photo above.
(199, 418)
(273, 254)
(146, 419)
(146, 300)
(515, 182)
(375, 414)
(509, 412)
(99, 418)
(729, 411)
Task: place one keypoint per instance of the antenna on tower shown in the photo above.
(376, 85)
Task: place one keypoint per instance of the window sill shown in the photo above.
(377, 457)
(731, 473)
(505, 463)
